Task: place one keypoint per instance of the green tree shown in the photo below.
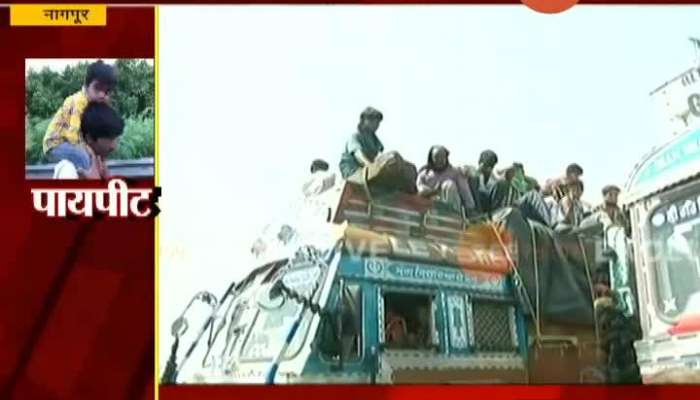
(135, 90)
(133, 95)
(44, 92)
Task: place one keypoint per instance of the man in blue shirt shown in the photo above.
(364, 146)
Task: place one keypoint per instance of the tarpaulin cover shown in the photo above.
(564, 265)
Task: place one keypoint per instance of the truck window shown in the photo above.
(350, 323)
(351, 339)
(675, 234)
(275, 317)
(408, 321)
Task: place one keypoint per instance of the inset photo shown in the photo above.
(89, 118)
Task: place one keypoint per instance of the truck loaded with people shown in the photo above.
(442, 274)
(467, 274)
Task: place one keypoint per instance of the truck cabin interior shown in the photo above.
(408, 321)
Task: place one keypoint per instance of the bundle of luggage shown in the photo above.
(389, 172)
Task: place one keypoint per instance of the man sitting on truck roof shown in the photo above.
(522, 182)
(483, 179)
(510, 191)
(558, 187)
(363, 146)
(514, 184)
(440, 180)
(609, 213)
(569, 211)
(321, 179)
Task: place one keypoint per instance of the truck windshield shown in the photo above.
(675, 235)
(277, 314)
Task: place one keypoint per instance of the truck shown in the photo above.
(662, 195)
(373, 286)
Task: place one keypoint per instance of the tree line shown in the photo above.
(133, 97)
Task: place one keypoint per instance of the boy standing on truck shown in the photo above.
(63, 140)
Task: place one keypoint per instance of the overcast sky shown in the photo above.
(250, 95)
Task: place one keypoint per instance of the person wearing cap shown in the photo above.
(610, 212)
(559, 187)
(440, 180)
(321, 179)
(363, 147)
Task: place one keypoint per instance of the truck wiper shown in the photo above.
(180, 326)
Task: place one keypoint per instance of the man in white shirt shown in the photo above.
(65, 169)
(321, 179)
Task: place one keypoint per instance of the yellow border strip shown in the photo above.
(156, 61)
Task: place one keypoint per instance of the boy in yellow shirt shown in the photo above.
(63, 139)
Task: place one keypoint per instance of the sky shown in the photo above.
(249, 95)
